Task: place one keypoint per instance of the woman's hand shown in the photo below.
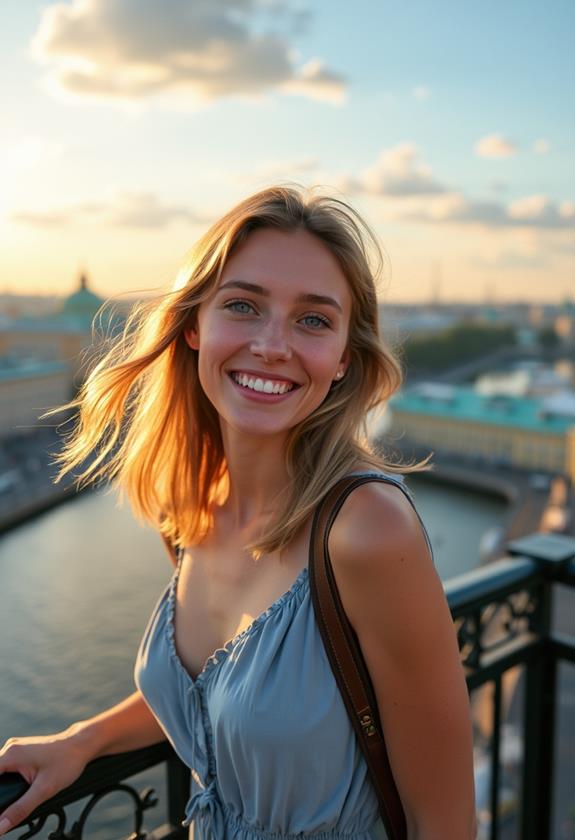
(49, 763)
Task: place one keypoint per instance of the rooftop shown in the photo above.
(553, 414)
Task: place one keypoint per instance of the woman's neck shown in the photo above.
(257, 475)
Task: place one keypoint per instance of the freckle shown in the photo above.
(402, 559)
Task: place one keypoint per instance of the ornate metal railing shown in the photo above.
(102, 778)
(503, 613)
(503, 616)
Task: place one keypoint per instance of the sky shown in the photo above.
(128, 126)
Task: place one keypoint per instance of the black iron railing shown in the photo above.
(503, 616)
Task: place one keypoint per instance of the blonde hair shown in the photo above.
(152, 430)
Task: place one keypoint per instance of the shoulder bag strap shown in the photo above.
(346, 659)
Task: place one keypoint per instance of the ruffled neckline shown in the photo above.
(223, 652)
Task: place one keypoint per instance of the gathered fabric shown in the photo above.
(263, 727)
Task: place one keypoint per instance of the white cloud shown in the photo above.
(397, 172)
(421, 92)
(145, 210)
(43, 218)
(530, 207)
(495, 146)
(132, 210)
(538, 212)
(541, 146)
(134, 49)
(317, 82)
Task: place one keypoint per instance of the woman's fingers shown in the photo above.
(47, 763)
(17, 813)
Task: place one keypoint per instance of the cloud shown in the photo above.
(541, 146)
(421, 92)
(413, 194)
(495, 146)
(144, 210)
(316, 81)
(131, 210)
(47, 218)
(536, 211)
(129, 50)
(398, 173)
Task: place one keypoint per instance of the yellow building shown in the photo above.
(530, 433)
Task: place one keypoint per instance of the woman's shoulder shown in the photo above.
(383, 563)
(378, 522)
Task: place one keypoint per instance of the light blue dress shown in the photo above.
(263, 728)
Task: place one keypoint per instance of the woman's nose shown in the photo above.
(272, 343)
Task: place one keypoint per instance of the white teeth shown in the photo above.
(264, 386)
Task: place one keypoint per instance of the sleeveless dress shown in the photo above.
(263, 727)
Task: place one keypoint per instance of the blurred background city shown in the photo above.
(128, 127)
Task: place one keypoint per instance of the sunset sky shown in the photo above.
(129, 125)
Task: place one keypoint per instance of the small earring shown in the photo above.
(339, 374)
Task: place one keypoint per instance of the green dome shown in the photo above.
(83, 304)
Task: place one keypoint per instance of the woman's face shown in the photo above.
(273, 336)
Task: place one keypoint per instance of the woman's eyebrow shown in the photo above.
(308, 297)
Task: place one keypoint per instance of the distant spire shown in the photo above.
(83, 280)
(435, 282)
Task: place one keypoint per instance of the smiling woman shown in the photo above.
(228, 412)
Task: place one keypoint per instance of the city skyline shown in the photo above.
(128, 129)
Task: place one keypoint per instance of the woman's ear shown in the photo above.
(192, 338)
(344, 361)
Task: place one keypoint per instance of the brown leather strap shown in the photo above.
(345, 656)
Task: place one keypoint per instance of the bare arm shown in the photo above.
(396, 604)
(129, 725)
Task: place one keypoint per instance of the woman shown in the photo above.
(226, 413)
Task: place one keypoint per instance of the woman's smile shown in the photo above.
(260, 385)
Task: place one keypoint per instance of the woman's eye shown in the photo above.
(315, 321)
(241, 306)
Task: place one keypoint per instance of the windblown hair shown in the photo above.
(149, 427)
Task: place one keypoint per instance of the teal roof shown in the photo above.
(83, 304)
(11, 370)
(467, 405)
(48, 326)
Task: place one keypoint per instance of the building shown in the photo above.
(42, 360)
(27, 389)
(526, 432)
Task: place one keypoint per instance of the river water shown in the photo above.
(77, 586)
